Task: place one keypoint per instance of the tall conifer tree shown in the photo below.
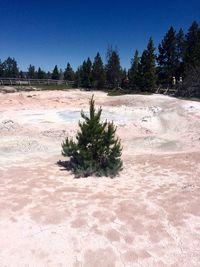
(134, 73)
(55, 74)
(98, 73)
(1, 69)
(31, 72)
(148, 68)
(167, 58)
(86, 73)
(77, 77)
(40, 74)
(10, 68)
(69, 73)
(192, 50)
(180, 47)
(113, 69)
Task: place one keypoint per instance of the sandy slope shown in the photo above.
(147, 216)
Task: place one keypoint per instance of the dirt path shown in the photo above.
(147, 216)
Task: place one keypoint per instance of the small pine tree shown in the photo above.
(97, 151)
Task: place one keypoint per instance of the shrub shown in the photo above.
(96, 151)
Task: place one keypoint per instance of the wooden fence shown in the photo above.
(30, 82)
(166, 91)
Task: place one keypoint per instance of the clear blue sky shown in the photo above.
(45, 33)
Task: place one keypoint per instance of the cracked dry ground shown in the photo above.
(147, 216)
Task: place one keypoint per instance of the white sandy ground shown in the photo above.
(147, 216)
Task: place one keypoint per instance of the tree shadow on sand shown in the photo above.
(65, 165)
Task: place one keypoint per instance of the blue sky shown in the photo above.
(45, 33)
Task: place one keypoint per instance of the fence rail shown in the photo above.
(166, 91)
(24, 81)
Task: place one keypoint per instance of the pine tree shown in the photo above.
(77, 77)
(61, 75)
(191, 84)
(113, 69)
(48, 75)
(40, 74)
(55, 74)
(134, 73)
(69, 73)
(167, 58)
(97, 150)
(10, 68)
(21, 74)
(86, 73)
(1, 69)
(192, 50)
(31, 74)
(124, 79)
(148, 68)
(180, 49)
(98, 73)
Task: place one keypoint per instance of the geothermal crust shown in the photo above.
(149, 215)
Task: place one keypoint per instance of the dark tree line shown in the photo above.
(177, 58)
(10, 69)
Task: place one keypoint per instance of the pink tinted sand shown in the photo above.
(149, 215)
